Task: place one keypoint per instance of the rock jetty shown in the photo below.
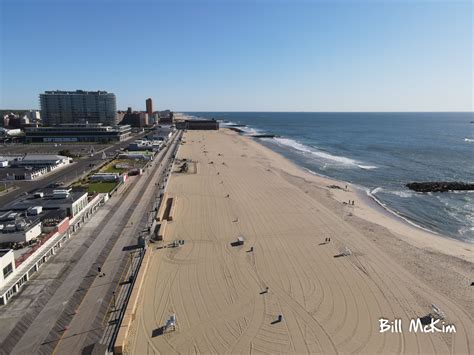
(440, 186)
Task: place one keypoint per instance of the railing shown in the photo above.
(34, 248)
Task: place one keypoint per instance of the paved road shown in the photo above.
(66, 175)
(35, 320)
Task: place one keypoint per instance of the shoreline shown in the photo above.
(410, 217)
(373, 202)
(370, 210)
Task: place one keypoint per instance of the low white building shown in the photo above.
(19, 230)
(33, 115)
(42, 160)
(71, 201)
(10, 132)
(7, 265)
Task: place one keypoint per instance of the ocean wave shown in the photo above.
(377, 189)
(320, 154)
(395, 213)
(399, 193)
(404, 194)
(250, 131)
(466, 231)
(367, 167)
(470, 140)
(293, 144)
(245, 129)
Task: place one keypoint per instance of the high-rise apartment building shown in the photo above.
(78, 106)
(149, 106)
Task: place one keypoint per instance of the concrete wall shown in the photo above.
(5, 260)
(79, 205)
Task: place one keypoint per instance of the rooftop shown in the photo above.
(50, 200)
(46, 157)
(3, 252)
(77, 92)
(78, 128)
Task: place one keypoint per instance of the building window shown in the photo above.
(7, 270)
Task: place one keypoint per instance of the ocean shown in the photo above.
(380, 153)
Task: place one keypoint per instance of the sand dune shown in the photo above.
(329, 304)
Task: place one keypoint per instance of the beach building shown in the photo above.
(15, 228)
(57, 229)
(198, 125)
(70, 201)
(42, 160)
(30, 166)
(165, 117)
(78, 132)
(143, 144)
(33, 166)
(78, 107)
(7, 265)
(162, 133)
(26, 173)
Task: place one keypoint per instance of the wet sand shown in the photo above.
(329, 303)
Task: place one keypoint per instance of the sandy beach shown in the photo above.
(329, 303)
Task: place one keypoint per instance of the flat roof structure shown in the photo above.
(53, 199)
(198, 125)
(40, 159)
(76, 132)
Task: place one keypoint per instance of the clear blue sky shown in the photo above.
(242, 55)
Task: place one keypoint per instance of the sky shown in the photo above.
(292, 55)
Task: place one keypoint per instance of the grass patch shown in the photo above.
(112, 169)
(130, 163)
(101, 187)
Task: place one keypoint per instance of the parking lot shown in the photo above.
(66, 175)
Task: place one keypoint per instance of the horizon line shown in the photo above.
(188, 111)
(258, 111)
